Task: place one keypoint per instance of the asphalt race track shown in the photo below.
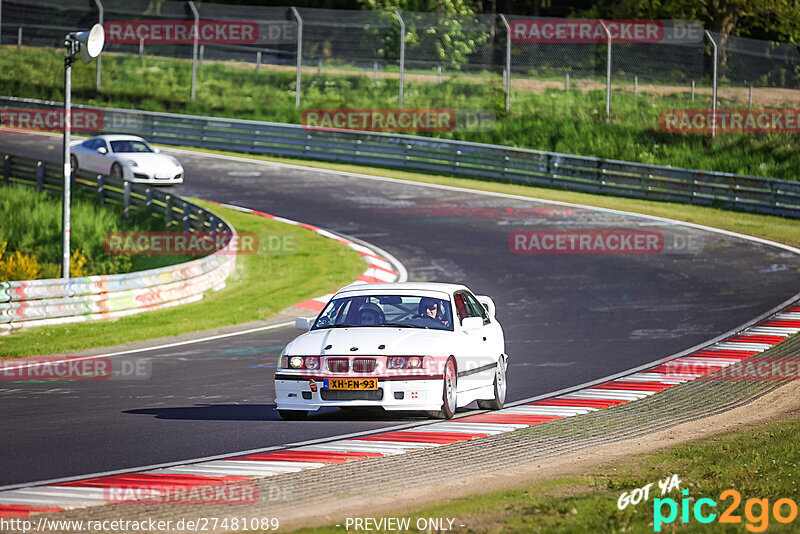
(568, 318)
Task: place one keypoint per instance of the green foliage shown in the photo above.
(39, 245)
(555, 120)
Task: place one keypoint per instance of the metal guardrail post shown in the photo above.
(185, 218)
(195, 42)
(40, 168)
(299, 56)
(608, 71)
(101, 189)
(7, 169)
(148, 199)
(508, 62)
(714, 88)
(168, 210)
(126, 199)
(402, 55)
(100, 56)
(258, 61)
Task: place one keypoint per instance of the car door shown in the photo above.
(475, 361)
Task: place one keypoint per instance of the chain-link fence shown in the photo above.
(416, 60)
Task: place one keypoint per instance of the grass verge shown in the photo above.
(545, 119)
(760, 463)
(780, 229)
(262, 285)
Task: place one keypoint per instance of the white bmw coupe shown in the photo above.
(404, 346)
(128, 157)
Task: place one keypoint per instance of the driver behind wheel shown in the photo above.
(433, 310)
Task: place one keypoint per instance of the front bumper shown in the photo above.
(156, 179)
(412, 394)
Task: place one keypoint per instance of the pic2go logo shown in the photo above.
(756, 511)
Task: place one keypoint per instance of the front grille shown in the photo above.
(338, 365)
(141, 176)
(351, 394)
(364, 365)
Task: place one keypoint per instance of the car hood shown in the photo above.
(396, 341)
(150, 161)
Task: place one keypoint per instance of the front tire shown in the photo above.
(499, 389)
(449, 383)
(293, 415)
(73, 164)
(116, 170)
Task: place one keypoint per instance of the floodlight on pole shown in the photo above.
(88, 45)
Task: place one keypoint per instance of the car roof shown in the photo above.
(120, 137)
(403, 287)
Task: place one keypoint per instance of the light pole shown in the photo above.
(88, 45)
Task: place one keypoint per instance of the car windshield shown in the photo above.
(127, 145)
(403, 311)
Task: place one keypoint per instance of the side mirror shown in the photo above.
(102, 150)
(156, 149)
(303, 323)
(487, 303)
(471, 323)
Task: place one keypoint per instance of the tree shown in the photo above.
(441, 31)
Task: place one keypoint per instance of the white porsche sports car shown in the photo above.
(128, 157)
(404, 346)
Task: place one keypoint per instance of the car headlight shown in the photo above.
(301, 362)
(404, 362)
(131, 163)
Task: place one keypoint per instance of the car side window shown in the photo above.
(91, 144)
(475, 308)
(102, 144)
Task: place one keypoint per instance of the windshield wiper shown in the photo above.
(333, 326)
(402, 325)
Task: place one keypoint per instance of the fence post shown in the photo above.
(299, 55)
(99, 57)
(141, 49)
(566, 82)
(185, 217)
(508, 61)
(258, 61)
(374, 71)
(202, 55)
(148, 202)
(195, 42)
(19, 37)
(7, 169)
(40, 168)
(168, 210)
(608, 71)
(714, 89)
(635, 85)
(126, 198)
(750, 96)
(101, 189)
(692, 90)
(402, 54)
(439, 73)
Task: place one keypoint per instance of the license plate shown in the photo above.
(350, 383)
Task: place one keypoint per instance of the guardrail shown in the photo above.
(59, 301)
(460, 158)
